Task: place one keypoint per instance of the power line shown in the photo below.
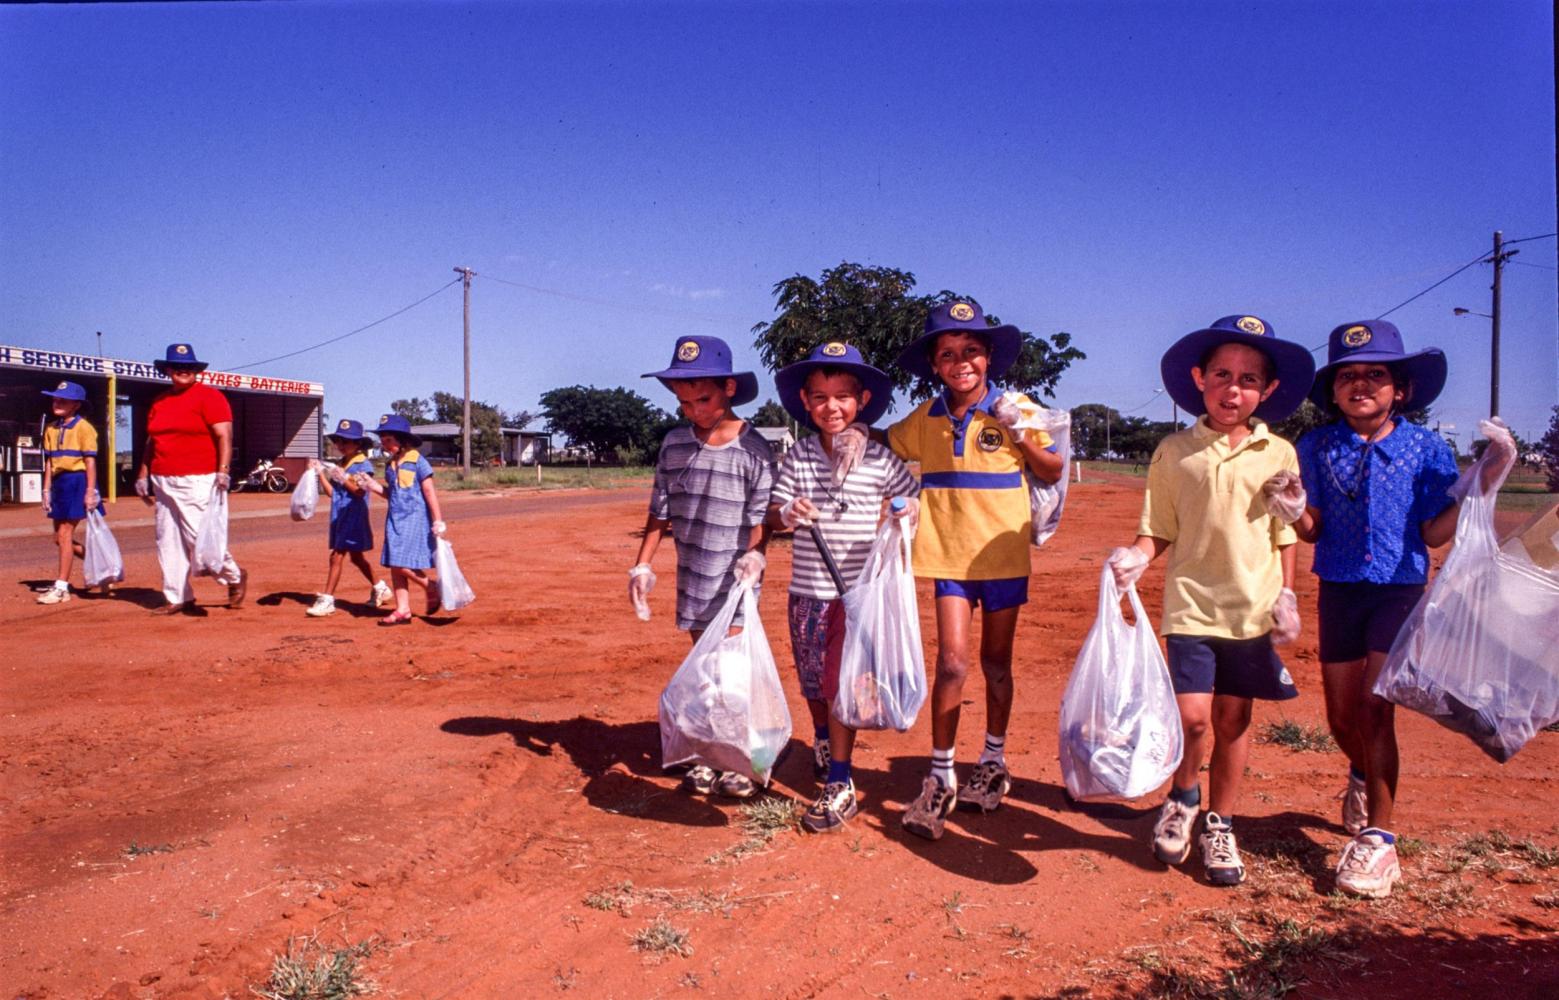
(1476, 260)
(574, 297)
(1528, 239)
(351, 333)
(1527, 263)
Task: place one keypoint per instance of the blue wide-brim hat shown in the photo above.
(394, 423)
(349, 430)
(1292, 365)
(706, 357)
(961, 316)
(1380, 341)
(791, 379)
(180, 356)
(67, 390)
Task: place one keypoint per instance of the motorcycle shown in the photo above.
(266, 476)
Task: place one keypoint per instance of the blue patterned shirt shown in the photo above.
(1371, 508)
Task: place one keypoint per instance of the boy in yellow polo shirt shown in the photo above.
(973, 538)
(1228, 593)
(69, 479)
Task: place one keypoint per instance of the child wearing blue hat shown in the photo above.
(351, 534)
(1228, 588)
(973, 539)
(413, 519)
(69, 478)
(711, 492)
(839, 481)
(1376, 493)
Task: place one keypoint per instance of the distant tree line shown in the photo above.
(487, 420)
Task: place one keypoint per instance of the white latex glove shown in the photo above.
(93, 498)
(749, 567)
(909, 516)
(1497, 458)
(439, 527)
(1284, 495)
(1128, 564)
(335, 474)
(798, 513)
(1007, 414)
(223, 482)
(143, 488)
(1285, 618)
(47, 500)
(641, 580)
(849, 447)
(315, 465)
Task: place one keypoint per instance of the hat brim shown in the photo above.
(1006, 343)
(1293, 367)
(163, 365)
(65, 396)
(790, 380)
(1426, 369)
(365, 436)
(746, 382)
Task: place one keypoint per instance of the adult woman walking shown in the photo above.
(186, 462)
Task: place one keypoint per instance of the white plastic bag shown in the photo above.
(882, 668)
(1477, 655)
(454, 592)
(1046, 500)
(211, 540)
(305, 496)
(101, 562)
(724, 706)
(1120, 725)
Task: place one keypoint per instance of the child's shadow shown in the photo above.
(617, 761)
(280, 597)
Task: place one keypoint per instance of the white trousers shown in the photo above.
(181, 509)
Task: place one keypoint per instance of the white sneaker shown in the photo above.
(1220, 853)
(382, 596)
(1172, 832)
(1368, 866)
(1355, 806)
(54, 595)
(324, 605)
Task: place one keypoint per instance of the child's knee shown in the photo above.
(997, 669)
(951, 667)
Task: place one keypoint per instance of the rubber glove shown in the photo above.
(439, 527)
(1284, 495)
(1497, 458)
(849, 447)
(749, 567)
(1007, 414)
(641, 580)
(93, 498)
(1285, 618)
(222, 482)
(798, 513)
(1128, 564)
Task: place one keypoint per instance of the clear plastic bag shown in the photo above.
(724, 706)
(101, 563)
(211, 540)
(1477, 655)
(454, 592)
(1046, 500)
(882, 668)
(305, 496)
(1120, 725)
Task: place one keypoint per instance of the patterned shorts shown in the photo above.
(816, 639)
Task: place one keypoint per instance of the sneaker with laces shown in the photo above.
(927, 814)
(700, 778)
(735, 786)
(1172, 831)
(381, 596)
(1220, 853)
(1355, 806)
(822, 756)
(1368, 866)
(986, 785)
(323, 605)
(833, 808)
(54, 595)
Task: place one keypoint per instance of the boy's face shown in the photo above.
(832, 401)
(343, 447)
(63, 408)
(1233, 384)
(704, 401)
(1366, 391)
(960, 361)
(389, 443)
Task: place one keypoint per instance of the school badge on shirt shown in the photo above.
(990, 439)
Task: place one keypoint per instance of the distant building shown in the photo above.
(441, 445)
(780, 439)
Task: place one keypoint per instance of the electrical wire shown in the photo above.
(724, 319)
(351, 333)
(1527, 263)
(1529, 239)
(1476, 260)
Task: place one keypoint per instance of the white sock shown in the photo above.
(994, 752)
(942, 767)
(61, 584)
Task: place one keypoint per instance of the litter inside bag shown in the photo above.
(1046, 500)
(211, 540)
(454, 592)
(102, 562)
(882, 668)
(305, 496)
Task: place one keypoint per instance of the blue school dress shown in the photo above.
(350, 530)
(408, 534)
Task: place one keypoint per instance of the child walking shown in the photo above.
(351, 534)
(711, 491)
(839, 481)
(413, 518)
(69, 479)
(973, 538)
(1228, 589)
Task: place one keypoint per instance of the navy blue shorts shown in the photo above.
(996, 595)
(1362, 618)
(1244, 668)
(68, 497)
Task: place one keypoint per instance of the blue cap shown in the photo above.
(962, 316)
(68, 390)
(791, 379)
(1292, 364)
(348, 430)
(706, 357)
(180, 356)
(394, 423)
(1380, 341)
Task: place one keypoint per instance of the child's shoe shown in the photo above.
(735, 786)
(927, 814)
(382, 596)
(700, 779)
(1355, 806)
(833, 808)
(324, 604)
(1220, 854)
(1368, 866)
(1172, 832)
(822, 756)
(987, 783)
(56, 594)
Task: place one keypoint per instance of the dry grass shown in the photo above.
(309, 971)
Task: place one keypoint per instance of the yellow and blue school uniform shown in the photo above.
(408, 533)
(350, 529)
(66, 447)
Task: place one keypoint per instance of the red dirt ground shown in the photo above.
(454, 791)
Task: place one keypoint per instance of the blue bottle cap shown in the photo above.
(897, 503)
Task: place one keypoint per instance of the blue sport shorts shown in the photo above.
(996, 595)
(1244, 668)
(1357, 619)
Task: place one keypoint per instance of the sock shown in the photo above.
(838, 770)
(61, 584)
(1389, 838)
(1186, 796)
(1354, 774)
(820, 733)
(942, 767)
(992, 754)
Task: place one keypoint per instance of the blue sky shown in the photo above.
(257, 178)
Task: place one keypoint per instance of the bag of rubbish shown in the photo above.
(724, 706)
(1046, 500)
(1119, 725)
(882, 668)
(211, 540)
(101, 562)
(305, 496)
(454, 592)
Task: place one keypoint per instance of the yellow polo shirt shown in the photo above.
(1204, 498)
(68, 445)
(974, 503)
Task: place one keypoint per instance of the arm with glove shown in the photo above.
(1487, 473)
(1046, 465)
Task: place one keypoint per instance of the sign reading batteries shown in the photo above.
(87, 364)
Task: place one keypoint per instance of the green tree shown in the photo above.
(486, 424)
(416, 410)
(1092, 425)
(1308, 416)
(876, 310)
(771, 414)
(606, 421)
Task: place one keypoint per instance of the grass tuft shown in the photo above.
(1297, 737)
(661, 938)
(310, 972)
(769, 815)
(136, 850)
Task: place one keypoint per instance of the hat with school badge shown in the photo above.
(67, 390)
(1376, 340)
(706, 357)
(961, 315)
(792, 379)
(1292, 365)
(394, 423)
(348, 430)
(180, 356)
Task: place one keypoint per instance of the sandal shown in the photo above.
(397, 618)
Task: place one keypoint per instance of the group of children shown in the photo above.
(1226, 498)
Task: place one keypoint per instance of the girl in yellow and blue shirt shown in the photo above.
(69, 478)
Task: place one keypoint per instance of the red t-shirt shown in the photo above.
(178, 431)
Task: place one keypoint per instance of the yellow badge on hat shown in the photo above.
(61, 386)
(384, 419)
(687, 350)
(963, 312)
(181, 349)
(1251, 324)
(1356, 336)
(833, 350)
(344, 425)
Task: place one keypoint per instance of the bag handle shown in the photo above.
(715, 633)
(1110, 600)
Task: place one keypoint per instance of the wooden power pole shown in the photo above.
(465, 429)
(1499, 261)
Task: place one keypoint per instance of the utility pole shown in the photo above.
(465, 431)
(1499, 261)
